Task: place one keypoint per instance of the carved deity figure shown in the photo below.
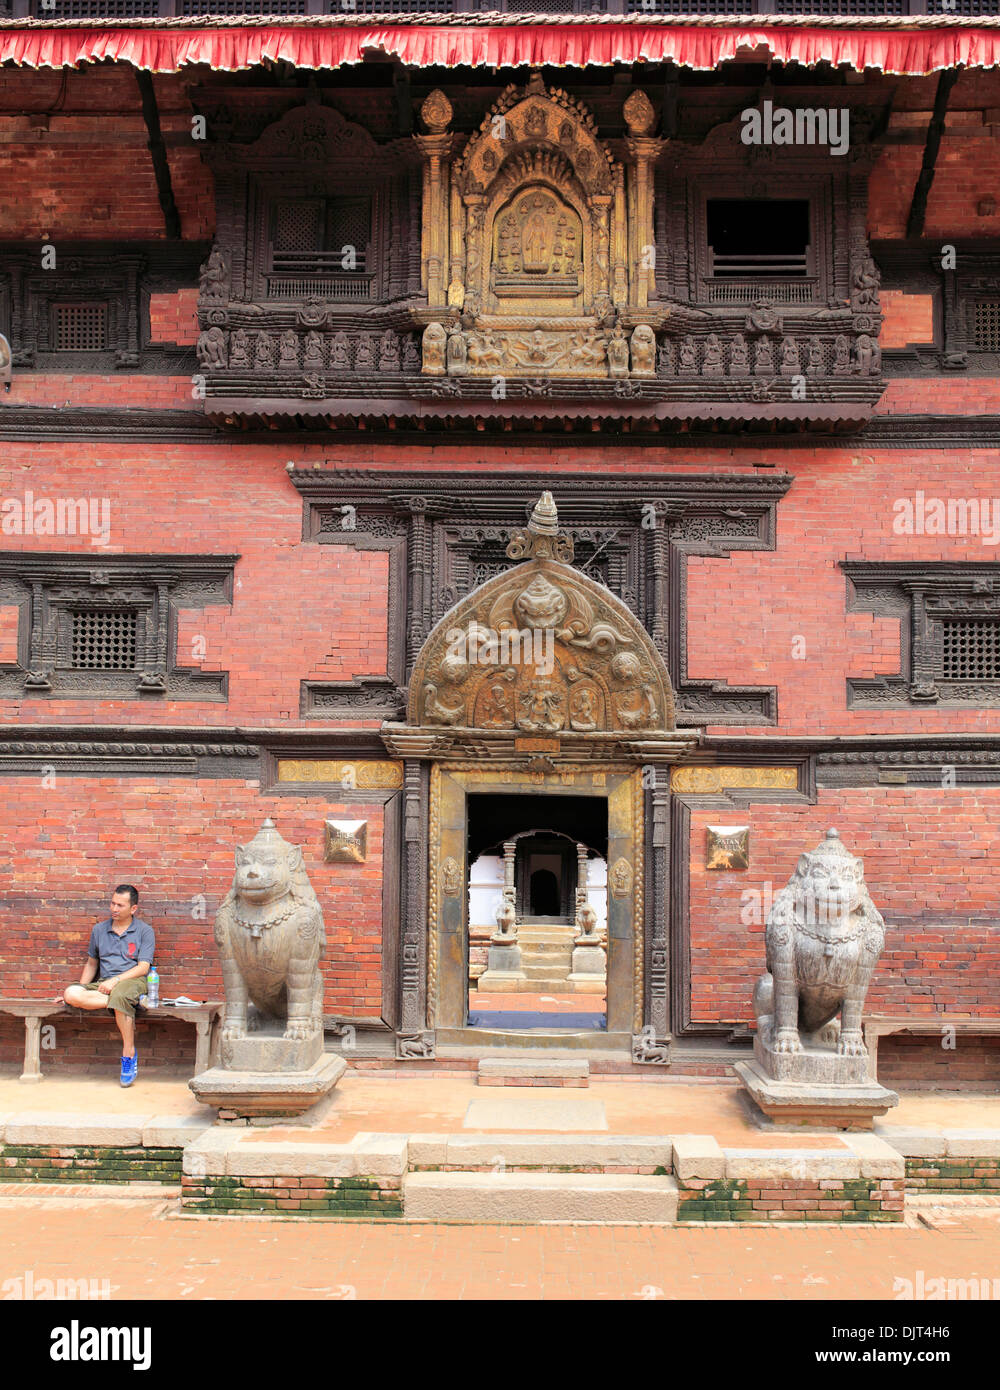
(586, 350)
(815, 363)
(212, 276)
(789, 357)
(212, 348)
(434, 342)
(823, 939)
(364, 356)
(289, 349)
(764, 358)
(239, 348)
(263, 355)
(457, 352)
(411, 354)
(712, 362)
(643, 351)
(388, 352)
(739, 357)
(312, 357)
(841, 355)
(687, 355)
(270, 935)
(867, 355)
(340, 352)
(617, 349)
(665, 359)
(866, 281)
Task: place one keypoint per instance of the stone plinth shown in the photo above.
(503, 969)
(270, 1051)
(814, 1064)
(822, 1104)
(247, 1094)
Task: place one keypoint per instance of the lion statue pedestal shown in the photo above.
(823, 939)
(270, 935)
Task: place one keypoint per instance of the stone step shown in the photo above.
(550, 968)
(481, 1198)
(532, 1071)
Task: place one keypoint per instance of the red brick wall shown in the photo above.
(174, 839)
(921, 1063)
(299, 611)
(91, 1044)
(89, 173)
(927, 866)
(909, 318)
(173, 318)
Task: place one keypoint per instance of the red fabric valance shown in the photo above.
(906, 51)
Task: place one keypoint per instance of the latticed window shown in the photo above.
(970, 649)
(79, 327)
(986, 325)
(104, 639)
(321, 235)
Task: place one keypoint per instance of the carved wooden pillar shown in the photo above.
(644, 149)
(456, 286)
(644, 152)
(658, 904)
(412, 1041)
(419, 579)
(435, 149)
(619, 242)
(475, 214)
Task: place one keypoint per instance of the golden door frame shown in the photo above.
(448, 879)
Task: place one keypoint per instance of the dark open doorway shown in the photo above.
(547, 857)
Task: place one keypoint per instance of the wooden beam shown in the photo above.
(158, 154)
(935, 130)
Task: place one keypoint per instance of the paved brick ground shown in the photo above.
(146, 1252)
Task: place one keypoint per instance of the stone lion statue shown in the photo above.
(270, 935)
(824, 936)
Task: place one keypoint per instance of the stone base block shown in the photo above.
(815, 1064)
(586, 984)
(825, 1106)
(246, 1094)
(500, 1071)
(502, 982)
(538, 1197)
(589, 961)
(269, 1051)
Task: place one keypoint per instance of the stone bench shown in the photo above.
(205, 1018)
(878, 1026)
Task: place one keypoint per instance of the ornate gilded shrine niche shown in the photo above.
(537, 242)
(542, 659)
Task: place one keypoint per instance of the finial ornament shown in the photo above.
(541, 539)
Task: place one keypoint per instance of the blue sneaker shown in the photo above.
(130, 1067)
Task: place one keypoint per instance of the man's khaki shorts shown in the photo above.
(125, 995)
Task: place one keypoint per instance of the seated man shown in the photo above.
(120, 955)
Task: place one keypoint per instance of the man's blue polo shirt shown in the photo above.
(115, 953)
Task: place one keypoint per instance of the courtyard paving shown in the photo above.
(145, 1250)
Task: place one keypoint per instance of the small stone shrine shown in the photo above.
(823, 938)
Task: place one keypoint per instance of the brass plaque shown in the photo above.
(350, 774)
(713, 780)
(727, 846)
(346, 841)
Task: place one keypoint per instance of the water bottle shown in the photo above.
(152, 989)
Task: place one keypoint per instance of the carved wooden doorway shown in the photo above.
(452, 785)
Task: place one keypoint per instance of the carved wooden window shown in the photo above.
(107, 628)
(949, 616)
(970, 649)
(758, 238)
(79, 327)
(986, 325)
(759, 248)
(103, 639)
(321, 246)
